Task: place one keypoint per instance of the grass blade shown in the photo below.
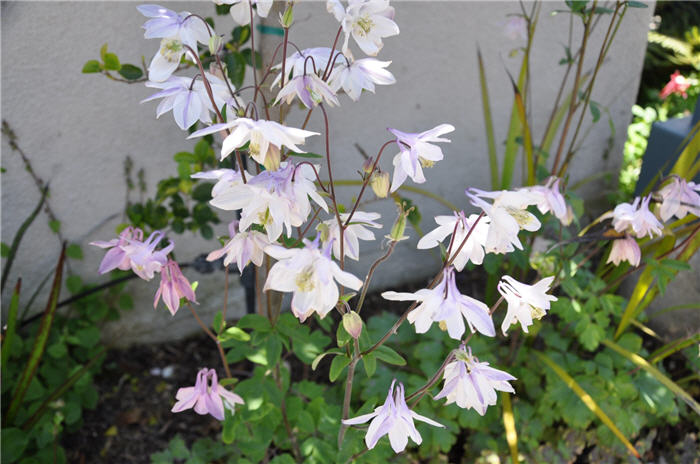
(11, 325)
(687, 166)
(509, 425)
(514, 130)
(657, 374)
(587, 400)
(673, 347)
(405, 188)
(488, 121)
(527, 138)
(39, 343)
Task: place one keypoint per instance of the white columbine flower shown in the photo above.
(240, 9)
(636, 218)
(393, 418)
(525, 302)
(551, 199)
(243, 247)
(679, 198)
(516, 28)
(473, 384)
(417, 151)
(360, 75)
(311, 274)
(225, 179)
(625, 249)
(368, 21)
(355, 231)
(295, 63)
(310, 89)
(473, 249)
(445, 304)
(265, 137)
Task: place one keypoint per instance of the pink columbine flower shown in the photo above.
(417, 151)
(117, 258)
(679, 198)
(677, 84)
(473, 249)
(445, 303)
(173, 287)
(310, 89)
(206, 398)
(550, 199)
(243, 247)
(473, 384)
(525, 302)
(145, 260)
(393, 418)
(636, 218)
(625, 249)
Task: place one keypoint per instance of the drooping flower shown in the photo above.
(678, 85)
(311, 274)
(679, 198)
(473, 249)
(205, 397)
(516, 28)
(265, 137)
(243, 247)
(625, 249)
(473, 384)
(116, 257)
(240, 9)
(173, 287)
(304, 62)
(636, 218)
(446, 304)
(145, 260)
(417, 151)
(525, 302)
(355, 231)
(310, 89)
(368, 21)
(360, 75)
(225, 179)
(394, 419)
(551, 200)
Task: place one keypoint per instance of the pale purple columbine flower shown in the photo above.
(274, 199)
(625, 249)
(473, 249)
(116, 257)
(173, 287)
(145, 259)
(508, 214)
(243, 247)
(446, 305)
(265, 137)
(417, 151)
(525, 302)
(636, 218)
(679, 198)
(205, 397)
(310, 274)
(176, 30)
(240, 9)
(473, 384)
(394, 419)
(516, 28)
(368, 21)
(225, 179)
(297, 64)
(551, 200)
(355, 231)
(310, 89)
(360, 75)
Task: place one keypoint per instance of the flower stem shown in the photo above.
(211, 335)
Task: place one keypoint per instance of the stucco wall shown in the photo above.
(77, 128)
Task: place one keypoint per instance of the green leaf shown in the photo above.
(241, 34)
(178, 448)
(342, 336)
(103, 51)
(306, 155)
(274, 350)
(130, 72)
(234, 333)
(255, 322)
(235, 68)
(74, 251)
(11, 322)
(514, 131)
(488, 121)
(317, 359)
(337, 365)
(229, 429)
(92, 66)
(219, 323)
(595, 111)
(14, 442)
(369, 361)
(247, 55)
(634, 4)
(111, 62)
(185, 157)
(4, 250)
(55, 226)
(389, 356)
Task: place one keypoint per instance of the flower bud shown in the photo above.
(399, 227)
(215, 42)
(352, 323)
(367, 165)
(287, 18)
(380, 184)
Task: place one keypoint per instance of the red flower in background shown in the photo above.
(678, 85)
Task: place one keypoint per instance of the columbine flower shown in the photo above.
(516, 28)
(368, 21)
(297, 63)
(473, 384)
(176, 30)
(636, 218)
(173, 286)
(311, 274)
(226, 179)
(206, 398)
(243, 247)
(240, 9)
(417, 151)
(508, 215)
(144, 259)
(117, 258)
(393, 418)
(473, 249)
(360, 75)
(678, 85)
(625, 249)
(525, 302)
(310, 89)
(551, 199)
(679, 198)
(355, 231)
(265, 137)
(445, 304)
